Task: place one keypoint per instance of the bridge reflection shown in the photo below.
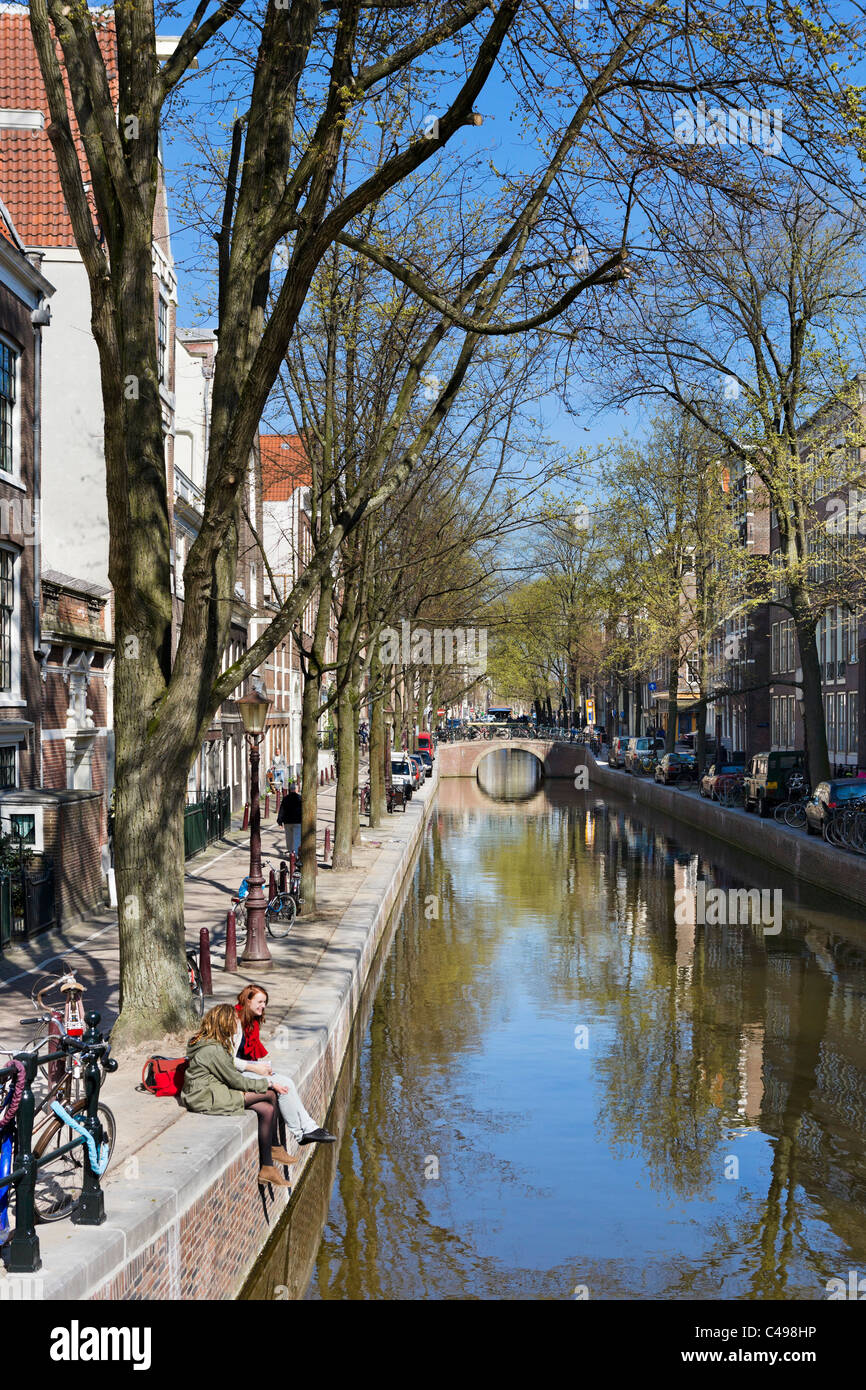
(510, 774)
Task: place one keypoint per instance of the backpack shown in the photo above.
(163, 1076)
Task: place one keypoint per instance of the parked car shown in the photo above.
(675, 767)
(827, 796)
(402, 774)
(425, 743)
(418, 773)
(616, 752)
(642, 754)
(717, 775)
(427, 760)
(766, 779)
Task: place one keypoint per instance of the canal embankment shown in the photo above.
(790, 850)
(185, 1218)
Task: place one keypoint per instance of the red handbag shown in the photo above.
(163, 1076)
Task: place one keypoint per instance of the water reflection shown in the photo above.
(560, 1084)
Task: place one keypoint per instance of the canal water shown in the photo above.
(566, 1086)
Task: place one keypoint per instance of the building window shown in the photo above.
(8, 768)
(852, 721)
(7, 618)
(24, 824)
(161, 339)
(8, 368)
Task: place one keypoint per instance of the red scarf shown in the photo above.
(252, 1050)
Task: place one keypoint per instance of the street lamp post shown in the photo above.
(253, 710)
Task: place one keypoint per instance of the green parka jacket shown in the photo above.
(212, 1084)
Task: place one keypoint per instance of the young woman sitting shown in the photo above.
(214, 1086)
(249, 1054)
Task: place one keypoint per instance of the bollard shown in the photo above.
(322, 778)
(292, 862)
(267, 805)
(21, 1251)
(91, 1208)
(327, 854)
(333, 773)
(246, 824)
(284, 877)
(272, 886)
(231, 960)
(204, 961)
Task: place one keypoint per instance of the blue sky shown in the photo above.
(499, 139)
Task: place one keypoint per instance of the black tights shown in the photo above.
(265, 1105)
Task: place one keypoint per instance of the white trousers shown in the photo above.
(298, 1121)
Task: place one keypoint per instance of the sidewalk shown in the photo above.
(184, 1216)
(91, 948)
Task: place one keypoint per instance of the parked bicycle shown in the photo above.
(59, 1180)
(280, 910)
(731, 792)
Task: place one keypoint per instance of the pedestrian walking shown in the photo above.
(289, 815)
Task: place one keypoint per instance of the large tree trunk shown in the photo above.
(673, 706)
(356, 720)
(310, 786)
(154, 985)
(398, 707)
(815, 727)
(377, 744)
(344, 811)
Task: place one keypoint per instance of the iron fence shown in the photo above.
(206, 820)
(5, 909)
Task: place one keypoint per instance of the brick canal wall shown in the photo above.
(797, 854)
(185, 1219)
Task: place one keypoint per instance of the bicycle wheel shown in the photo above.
(240, 916)
(280, 916)
(59, 1184)
(781, 812)
(795, 816)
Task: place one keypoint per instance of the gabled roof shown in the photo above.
(29, 181)
(285, 466)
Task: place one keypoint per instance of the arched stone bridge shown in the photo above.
(558, 759)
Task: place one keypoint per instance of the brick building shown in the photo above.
(74, 593)
(24, 294)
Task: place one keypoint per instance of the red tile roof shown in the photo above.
(29, 182)
(285, 466)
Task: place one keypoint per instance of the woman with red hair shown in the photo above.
(250, 1054)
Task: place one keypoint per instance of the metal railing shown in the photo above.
(513, 729)
(20, 1254)
(6, 923)
(205, 821)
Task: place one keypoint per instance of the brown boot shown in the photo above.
(280, 1155)
(269, 1174)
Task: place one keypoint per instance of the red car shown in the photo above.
(717, 776)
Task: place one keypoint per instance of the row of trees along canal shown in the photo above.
(332, 146)
(751, 341)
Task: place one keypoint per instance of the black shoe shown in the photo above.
(318, 1136)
